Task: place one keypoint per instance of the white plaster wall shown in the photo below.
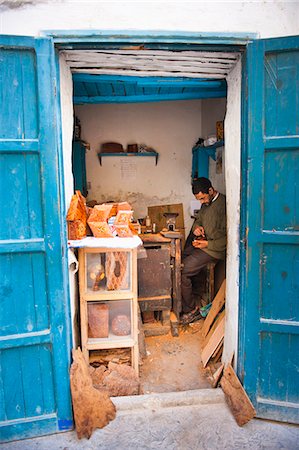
(213, 110)
(66, 101)
(268, 18)
(232, 132)
(171, 128)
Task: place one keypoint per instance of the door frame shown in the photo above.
(236, 42)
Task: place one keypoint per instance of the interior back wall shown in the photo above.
(171, 128)
(213, 110)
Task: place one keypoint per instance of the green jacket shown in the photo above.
(213, 218)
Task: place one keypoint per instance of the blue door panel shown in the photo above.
(30, 391)
(281, 189)
(34, 317)
(24, 307)
(18, 98)
(281, 95)
(24, 197)
(280, 283)
(14, 407)
(279, 376)
(269, 320)
(277, 389)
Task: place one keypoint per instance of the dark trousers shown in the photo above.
(194, 260)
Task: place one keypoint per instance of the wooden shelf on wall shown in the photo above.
(200, 158)
(123, 154)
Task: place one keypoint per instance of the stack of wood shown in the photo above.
(212, 347)
(118, 356)
(213, 329)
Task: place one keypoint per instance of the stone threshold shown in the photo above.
(168, 400)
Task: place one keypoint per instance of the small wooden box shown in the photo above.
(76, 229)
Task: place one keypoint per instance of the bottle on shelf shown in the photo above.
(148, 224)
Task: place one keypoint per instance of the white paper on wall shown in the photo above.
(128, 169)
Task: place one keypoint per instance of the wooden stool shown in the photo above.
(210, 282)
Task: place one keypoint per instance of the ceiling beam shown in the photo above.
(79, 100)
(150, 81)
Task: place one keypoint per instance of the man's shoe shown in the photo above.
(191, 317)
(204, 310)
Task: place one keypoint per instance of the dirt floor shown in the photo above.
(174, 363)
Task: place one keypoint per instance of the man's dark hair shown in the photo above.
(201, 184)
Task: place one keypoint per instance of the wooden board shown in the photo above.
(158, 303)
(217, 304)
(237, 399)
(92, 408)
(218, 349)
(217, 354)
(141, 337)
(154, 273)
(152, 238)
(156, 215)
(174, 324)
(155, 329)
(213, 343)
(213, 328)
(176, 282)
(217, 375)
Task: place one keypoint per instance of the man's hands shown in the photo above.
(200, 232)
(201, 242)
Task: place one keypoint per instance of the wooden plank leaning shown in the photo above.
(236, 397)
(213, 328)
(214, 342)
(217, 304)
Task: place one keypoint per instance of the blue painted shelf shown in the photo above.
(200, 159)
(155, 154)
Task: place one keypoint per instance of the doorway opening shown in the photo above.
(171, 126)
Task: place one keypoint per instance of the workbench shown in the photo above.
(159, 281)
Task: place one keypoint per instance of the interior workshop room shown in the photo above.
(138, 142)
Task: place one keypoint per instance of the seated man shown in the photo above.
(207, 243)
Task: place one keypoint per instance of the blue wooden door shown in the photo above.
(79, 167)
(269, 310)
(34, 332)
